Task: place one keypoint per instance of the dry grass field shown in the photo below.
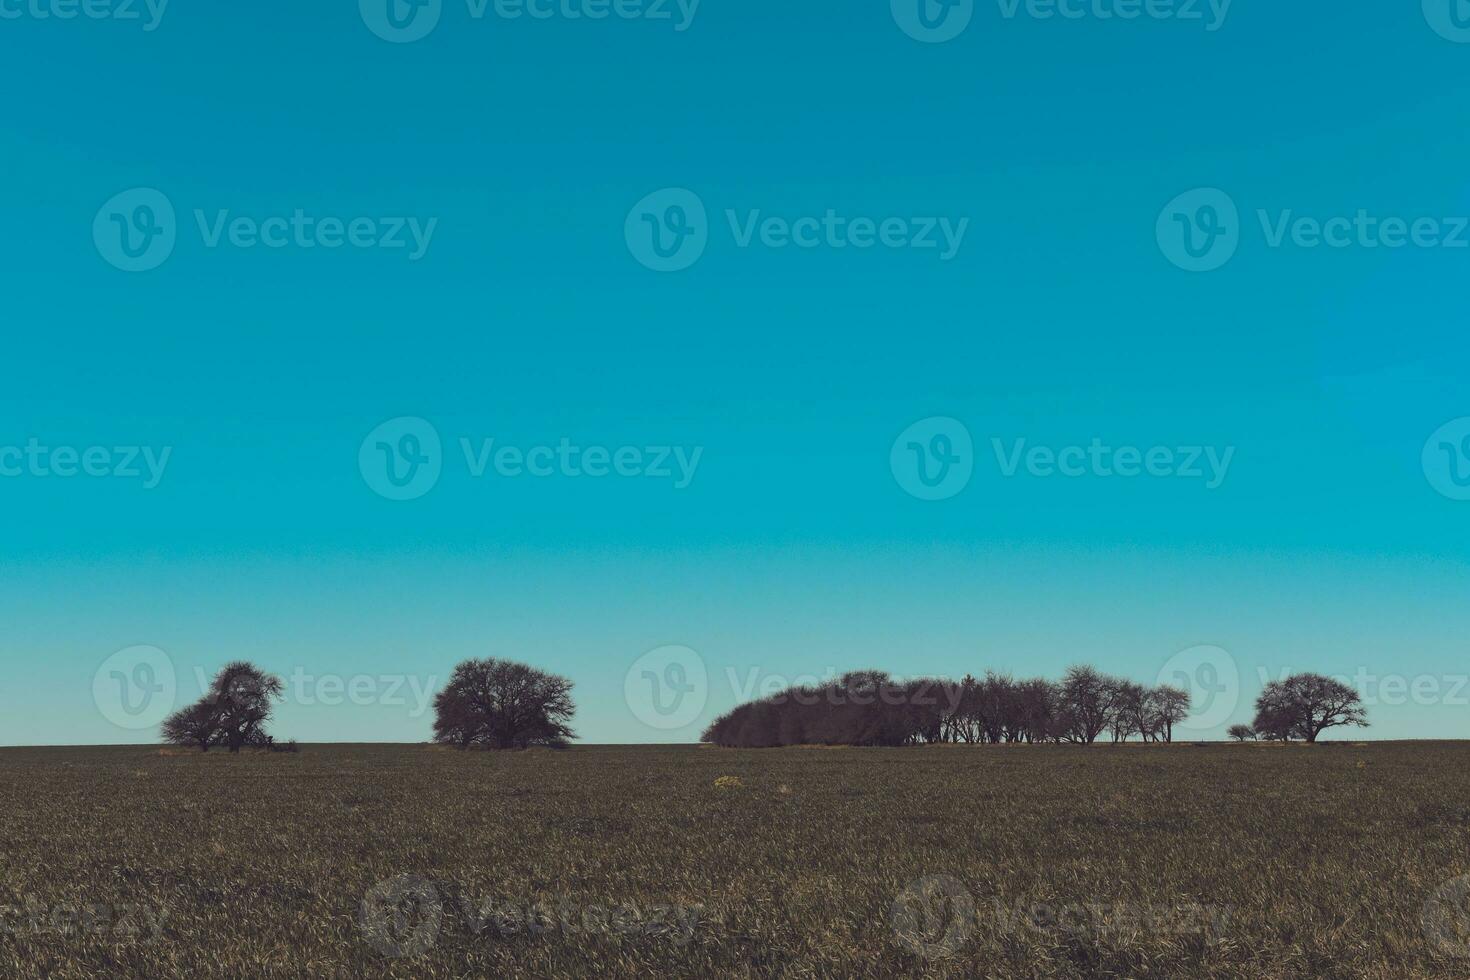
(1048, 861)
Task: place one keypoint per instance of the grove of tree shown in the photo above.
(870, 708)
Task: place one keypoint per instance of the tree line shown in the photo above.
(499, 704)
(869, 708)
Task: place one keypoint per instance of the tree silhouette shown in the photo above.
(1088, 701)
(870, 708)
(1305, 705)
(193, 725)
(499, 704)
(1169, 706)
(232, 713)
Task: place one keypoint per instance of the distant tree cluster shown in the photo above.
(232, 713)
(497, 704)
(860, 708)
(870, 708)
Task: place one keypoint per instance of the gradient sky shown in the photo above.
(794, 549)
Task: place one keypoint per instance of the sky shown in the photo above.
(695, 350)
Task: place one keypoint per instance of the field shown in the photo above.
(405, 861)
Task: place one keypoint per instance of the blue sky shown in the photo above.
(1331, 542)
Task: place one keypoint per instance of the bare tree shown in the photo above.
(194, 725)
(997, 708)
(1170, 706)
(1088, 699)
(1241, 732)
(232, 713)
(1126, 714)
(499, 704)
(1305, 705)
(963, 723)
(1036, 710)
(243, 696)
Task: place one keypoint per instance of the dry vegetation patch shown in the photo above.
(1056, 861)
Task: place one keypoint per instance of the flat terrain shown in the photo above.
(405, 861)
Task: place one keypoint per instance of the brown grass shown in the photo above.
(1051, 862)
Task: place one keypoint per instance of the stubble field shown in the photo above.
(404, 861)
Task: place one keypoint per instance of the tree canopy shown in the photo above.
(499, 704)
(232, 713)
(871, 708)
(1305, 705)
